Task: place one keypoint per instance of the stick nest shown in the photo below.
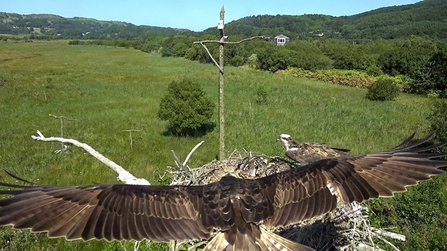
(345, 228)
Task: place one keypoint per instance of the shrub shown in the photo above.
(74, 42)
(187, 109)
(383, 89)
(237, 60)
(438, 119)
(374, 71)
(252, 61)
(351, 78)
(261, 96)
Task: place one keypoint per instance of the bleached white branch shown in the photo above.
(123, 175)
(191, 152)
(386, 241)
(177, 161)
(183, 166)
(389, 234)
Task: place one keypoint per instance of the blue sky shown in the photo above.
(193, 14)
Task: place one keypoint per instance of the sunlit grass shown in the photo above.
(108, 90)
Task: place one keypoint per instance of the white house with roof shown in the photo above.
(281, 40)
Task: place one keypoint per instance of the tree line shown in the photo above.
(421, 62)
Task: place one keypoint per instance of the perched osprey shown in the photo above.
(305, 153)
(230, 212)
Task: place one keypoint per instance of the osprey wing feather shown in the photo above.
(314, 189)
(229, 212)
(105, 211)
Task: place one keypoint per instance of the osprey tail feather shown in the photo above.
(264, 241)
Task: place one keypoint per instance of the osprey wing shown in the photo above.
(314, 189)
(106, 211)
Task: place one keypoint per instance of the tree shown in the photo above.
(438, 71)
(383, 89)
(437, 119)
(187, 109)
(408, 58)
(432, 77)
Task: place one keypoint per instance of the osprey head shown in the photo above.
(286, 139)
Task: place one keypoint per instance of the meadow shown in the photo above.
(107, 90)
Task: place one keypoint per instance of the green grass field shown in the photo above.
(108, 90)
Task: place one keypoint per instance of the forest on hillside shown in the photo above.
(425, 19)
(45, 26)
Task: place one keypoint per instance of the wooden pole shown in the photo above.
(221, 87)
(220, 65)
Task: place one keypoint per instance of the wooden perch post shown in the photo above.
(130, 134)
(220, 66)
(63, 147)
(221, 86)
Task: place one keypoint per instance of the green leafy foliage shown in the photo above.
(297, 54)
(187, 109)
(261, 96)
(382, 90)
(438, 119)
(432, 78)
(407, 57)
(340, 77)
(415, 214)
(374, 71)
(438, 71)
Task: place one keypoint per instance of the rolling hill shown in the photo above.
(427, 18)
(56, 26)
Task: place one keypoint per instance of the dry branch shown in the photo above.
(389, 234)
(209, 54)
(203, 42)
(123, 175)
(223, 42)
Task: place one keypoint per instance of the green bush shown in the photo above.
(261, 96)
(351, 78)
(383, 89)
(438, 119)
(374, 71)
(187, 109)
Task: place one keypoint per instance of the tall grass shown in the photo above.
(108, 90)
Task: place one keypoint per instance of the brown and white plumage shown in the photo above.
(305, 153)
(233, 208)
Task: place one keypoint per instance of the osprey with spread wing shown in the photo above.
(229, 212)
(305, 153)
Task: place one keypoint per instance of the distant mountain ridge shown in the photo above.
(77, 27)
(427, 18)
